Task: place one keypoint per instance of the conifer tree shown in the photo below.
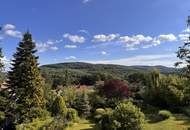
(24, 79)
(59, 107)
(82, 105)
(1, 60)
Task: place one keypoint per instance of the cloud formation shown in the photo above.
(86, 1)
(70, 46)
(70, 58)
(105, 38)
(104, 53)
(48, 45)
(134, 42)
(10, 30)
(74, 38)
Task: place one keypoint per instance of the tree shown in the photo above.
(59, 107)
(184, 55)
(1, 60)
(128, 117)
(24, 79)
(114, 89)
(82, 105)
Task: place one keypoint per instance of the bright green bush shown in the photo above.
(99, 114)
(72, 114)
(126, 116)
(103, 117)
(38, 113)
(164, 114)
(36, 124)
(59, 107)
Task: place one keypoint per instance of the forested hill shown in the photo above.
(93, 68)
(89, 73)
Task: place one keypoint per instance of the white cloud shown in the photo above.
(151, 60)
(70, 58)
(104, 53)
(74, 38)
(84, 31)
(54, 48)
(86, 1)
(135, 40)
(13, 33)
(184, 37)
(42, 47)
(187, 30)
(8, 27)
(10, 30)
(167, 38)
(48, 45)
(105, 38)
(70, 46)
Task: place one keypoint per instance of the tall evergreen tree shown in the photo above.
(184, 55)
(24, 79)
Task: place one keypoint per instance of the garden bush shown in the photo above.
(127, 116)
(164, 114)
(59, 107)
(72, 115)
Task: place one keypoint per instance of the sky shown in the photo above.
(125, 32)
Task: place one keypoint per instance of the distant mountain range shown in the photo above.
(80, 67)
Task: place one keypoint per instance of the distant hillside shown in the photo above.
(90, 68)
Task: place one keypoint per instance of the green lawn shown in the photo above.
(176, 122)
(84, 125)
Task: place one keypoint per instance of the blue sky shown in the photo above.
(126, 32)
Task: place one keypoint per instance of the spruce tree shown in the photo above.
(82, 105)
(24, 79)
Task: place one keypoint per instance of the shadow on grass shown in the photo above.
(152, 118)
(182, 118)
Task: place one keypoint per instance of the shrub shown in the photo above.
(2, 117)
(104, 118)
(72, 114)
(99, 113)
(38, 113)
(82, 105)
(127, 116)
(59, 107)
(36, 124)
(114, 89)
(164, 114)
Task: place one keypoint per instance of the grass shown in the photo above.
(176, 122)
(84, 125)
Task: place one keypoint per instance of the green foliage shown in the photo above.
(72, 115)
(24, 79)
(82, 105)
(96, 101)
(2, 117)
(128, 117)
(164, 114)
(104, 118)
(58, 123)
(37, 113)
(36, 124)
(70, 95)
(164, 91)
(59, 107)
